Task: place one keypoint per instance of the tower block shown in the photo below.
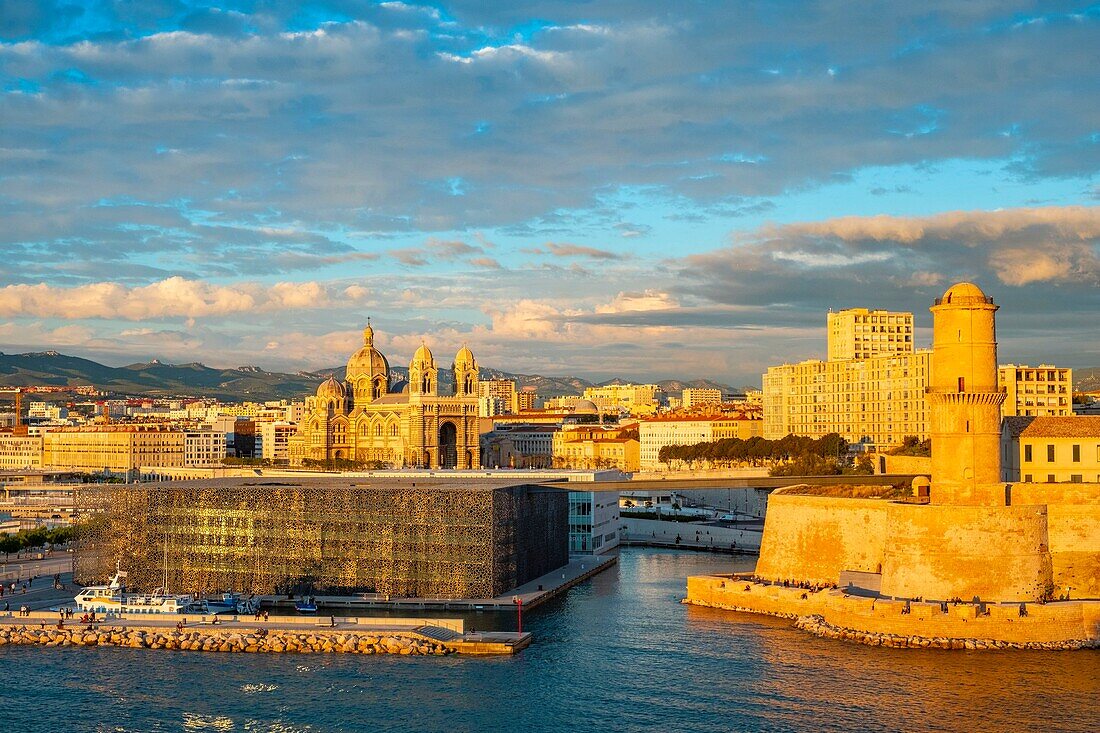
(965, 399)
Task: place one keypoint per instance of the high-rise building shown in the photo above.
(859, 333)
(694, 397)
(1042, 391)
(877, 401)
(503, 394)
(275, 439)
(635, 399)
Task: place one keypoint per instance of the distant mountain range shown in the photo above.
(158, 379)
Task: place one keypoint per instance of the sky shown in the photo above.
(622, 188)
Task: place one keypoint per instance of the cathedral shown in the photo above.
(367, 418)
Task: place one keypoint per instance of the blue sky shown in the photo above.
(633, 189)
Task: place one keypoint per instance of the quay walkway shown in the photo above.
(532, 594)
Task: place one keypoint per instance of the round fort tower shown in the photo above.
(965, 398)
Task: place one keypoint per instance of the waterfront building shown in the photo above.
(859, 333)
(593, 522)
(521, 445)
(113, 448)
(333, 535)
(694, 397)
(1042, 391)
(367, 418)
(632, 399)
(20, 451)
(659, 432)
(588, 446)
(1051, 449)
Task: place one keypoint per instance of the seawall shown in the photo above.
(884, 622)
(348, 636)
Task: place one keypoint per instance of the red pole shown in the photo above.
(519, 614)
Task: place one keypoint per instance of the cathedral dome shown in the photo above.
(464, 357)
(423, 356)
(367, 361)
(331, 389)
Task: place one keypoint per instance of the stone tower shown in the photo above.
(965, 399)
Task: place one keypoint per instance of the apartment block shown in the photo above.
(656, 433)
(1051, 450)
(1042, 391)
(859, 333)
(113, 448)
(876, 401)
(694, 397)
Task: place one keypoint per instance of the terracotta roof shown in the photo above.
(1076, 426)
(1015, 425)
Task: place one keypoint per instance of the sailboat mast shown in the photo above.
(166, 562)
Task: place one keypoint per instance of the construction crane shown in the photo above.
(19, 428)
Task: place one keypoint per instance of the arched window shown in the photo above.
(393, 430)
(378, 430)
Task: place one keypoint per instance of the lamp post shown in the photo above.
(519, 612)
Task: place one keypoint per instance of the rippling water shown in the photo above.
(618, 653)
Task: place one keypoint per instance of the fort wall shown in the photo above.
(813, 538)
(1072, 623)
(944, 552)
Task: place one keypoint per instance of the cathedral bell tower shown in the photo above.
(423, 374)
(465, 373)
(965, 399)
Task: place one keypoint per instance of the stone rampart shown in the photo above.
(1070, 624)
(1073, 512)
(813, 538)
(944, 552)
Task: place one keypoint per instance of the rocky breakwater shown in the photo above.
(818, 626)
(229, 641)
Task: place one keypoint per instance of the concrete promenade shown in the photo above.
(532, 594)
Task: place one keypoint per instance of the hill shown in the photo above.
(159, 379)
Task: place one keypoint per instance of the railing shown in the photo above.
(964, 300)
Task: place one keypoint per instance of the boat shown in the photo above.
(113, 598)
(306, 605)
(226, 603)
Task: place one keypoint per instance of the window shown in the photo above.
(1027, 454)
(1076, 454)
(1076, 478)
(1027, 478)
(1050, 478)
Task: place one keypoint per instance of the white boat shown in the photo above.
(114, 599)
(226, 603)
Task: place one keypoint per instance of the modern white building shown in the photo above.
(203, 448)
(274, 437)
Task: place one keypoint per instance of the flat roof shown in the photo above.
(333, 482)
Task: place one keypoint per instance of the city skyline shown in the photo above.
(586, 191)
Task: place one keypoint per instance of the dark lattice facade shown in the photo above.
(263, 536)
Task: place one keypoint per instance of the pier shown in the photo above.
(296, 634)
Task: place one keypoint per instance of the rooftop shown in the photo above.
(1069, 426)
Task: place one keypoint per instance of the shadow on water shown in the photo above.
(617, 653)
